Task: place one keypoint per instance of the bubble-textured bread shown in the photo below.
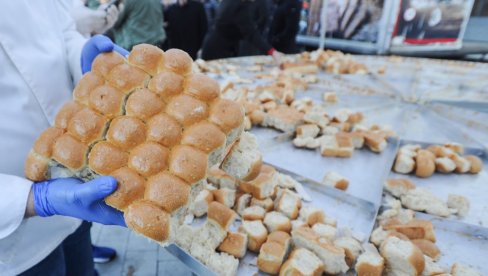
(150, 122)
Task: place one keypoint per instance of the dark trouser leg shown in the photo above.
(52, 265)
(77, 249)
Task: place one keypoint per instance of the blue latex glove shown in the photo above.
(96, 45)
(71, 197)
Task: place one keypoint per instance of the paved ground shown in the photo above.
(136, 254)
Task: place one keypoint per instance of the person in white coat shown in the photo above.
(40, 232)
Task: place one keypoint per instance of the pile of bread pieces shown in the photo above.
(407, 245)
(313, 127)
(155, 126)
(411, 197)
(447, 158)
(268, 217)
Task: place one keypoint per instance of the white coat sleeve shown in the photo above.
(74, 41)
(14, 192)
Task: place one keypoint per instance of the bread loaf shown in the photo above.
(155, 126)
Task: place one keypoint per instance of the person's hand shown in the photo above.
(71, 197)
(111, 15)
(88, 20)
(96, 45)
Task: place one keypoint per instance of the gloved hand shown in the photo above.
(96, 45)
(111, 16)
(71, 197)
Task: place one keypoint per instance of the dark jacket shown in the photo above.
(187, 26)
(234, 22)
(284, 26)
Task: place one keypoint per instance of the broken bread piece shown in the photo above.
(302, 262)
(244, 159)
(401, 257)
(256, 234)
(335, 180)
(234, 244)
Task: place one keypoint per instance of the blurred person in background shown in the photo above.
(284, 26)
(44, 228)
(211, 7)
(235, 22)
(261, 10)
(141, 21)
(93, 21)
(186, 26)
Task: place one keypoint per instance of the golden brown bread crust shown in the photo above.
(87, 126)
(165, 130)
(221, 214)
(85, 86)
(226, 114)
(257, 117)
(107, 100)
(167, 191)
(187, 110)
(274, 249)
(417, 229)
(366, 269)
(279, 236)
(417, 260)
(67, 112)
(234, 244)
(143, 104)
(204, 136)
(36, 167)
(202, 87)
(149, 158)
(104, 158)
(105, 62)
(146, 57)
(188, 163)
(425, 166)
(166, 85)
(127, 78)
(45, 142)
(126, 132)
(476, 163)
(177, 61)
(428, 248)
(148, 219)
(69, 152)
(130, 188)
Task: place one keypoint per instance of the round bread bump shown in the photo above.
(476, 163)
(127, 78)
(165, 130)
(148, 219)
(126, 132)
(36, 167)
(87, 83)
(167, 191)
(187, 110)
(166, 85)
(149, 158)
(104, 158)
(45, 142)
(177, 61)
(143, 104)
(425, 163)
(226, 114)
(204, 136)
(188, 163)
(129, 189)
(146, 57)
(105, 62)
(107, 100)
(202, 87)
(67, 112)
(69, 152)
(87, 126)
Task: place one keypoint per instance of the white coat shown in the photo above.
(39, 64)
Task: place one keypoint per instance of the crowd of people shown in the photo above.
(208, 29)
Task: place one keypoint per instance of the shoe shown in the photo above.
(102, 254)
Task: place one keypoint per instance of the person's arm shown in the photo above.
(14, 192)
(291, 26)
(248, 28)
(73, 40)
